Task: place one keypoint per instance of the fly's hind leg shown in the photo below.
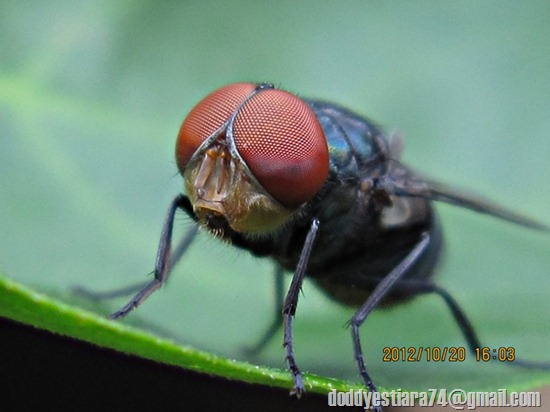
(466, 327)
(276, 323)
(108, 294)
(394, 282)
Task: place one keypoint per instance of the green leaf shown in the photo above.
(24, 305)
(91, 99)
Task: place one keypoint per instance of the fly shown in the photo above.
(322, 192)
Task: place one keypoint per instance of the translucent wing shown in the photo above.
(443, 193)
(401, 184)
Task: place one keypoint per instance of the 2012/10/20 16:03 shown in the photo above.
(321, 191)
(446, 354)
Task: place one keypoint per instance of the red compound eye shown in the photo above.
(207, 117)
(283, 144)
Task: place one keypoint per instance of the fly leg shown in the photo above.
(270, 332)
(381, 290)
(108, 294)
(162, 264)
(422, 287)
(466, 327)
(136, 287)
(289, 307)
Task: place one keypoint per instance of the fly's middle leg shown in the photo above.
(381, 290)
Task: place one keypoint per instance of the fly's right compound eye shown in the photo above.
(207, 116)
(282, 142)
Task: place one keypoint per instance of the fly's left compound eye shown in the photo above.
(280, 139)
(208, 116)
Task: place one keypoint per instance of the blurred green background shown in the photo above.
(92, 95)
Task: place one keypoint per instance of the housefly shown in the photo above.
(322, 192)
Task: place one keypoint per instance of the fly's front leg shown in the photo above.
(162, 265)
(374, 299)
(289, 307)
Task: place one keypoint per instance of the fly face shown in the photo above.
(240, 167)
(320, 190)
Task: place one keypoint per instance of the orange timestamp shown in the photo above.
(445, 354)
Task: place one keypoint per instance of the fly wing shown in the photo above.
(401, 185)
(444, 193)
